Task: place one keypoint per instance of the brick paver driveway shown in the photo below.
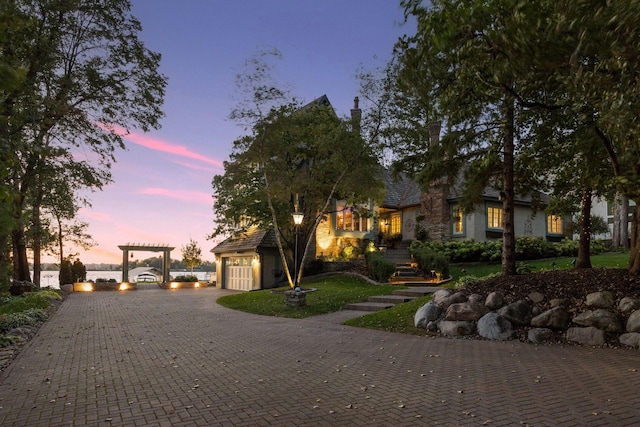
(176, 358)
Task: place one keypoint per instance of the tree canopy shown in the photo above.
(80, 78)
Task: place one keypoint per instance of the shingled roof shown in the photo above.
(250, 239)
(402, 192)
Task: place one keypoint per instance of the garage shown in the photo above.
(248, 261)
(238, 273)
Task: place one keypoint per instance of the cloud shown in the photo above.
(95, 215)
(188, 196)
(166, 147)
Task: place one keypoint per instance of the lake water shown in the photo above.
(50, 278)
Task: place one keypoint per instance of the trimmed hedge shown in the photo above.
(380, 268)
(527, 248)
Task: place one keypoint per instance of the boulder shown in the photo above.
(494, 300)
(475, 298)
(456, 327)
(536, 297)
(425, 314)
(555, 318)
(518, 313)
(458, 297)
(602, 299)
(465, 311)
(20, 287)
(588, 335)
(557, 302)
(441, 298)
(632, 339)
(495, 327)
(539, 335)
(600, 318)
(633, 322)
(628, 304)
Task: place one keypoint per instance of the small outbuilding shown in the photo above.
(249, 261)
(145, 274)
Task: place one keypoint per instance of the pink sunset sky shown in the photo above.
(161, 191)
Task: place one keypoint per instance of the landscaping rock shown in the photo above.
(495, 327)
(425, 314)
(494, 301)
(558, 302)
(20, 287)
(458, 297)
(456, 328)
(518, 313)
(539, 335)
(536, 297)
(465, 311)
(441, 298)
(589, 335)
(475, 298)
(631, 339)
(600, 299)
(628, 304)
(602, 319)
(555, 318)
(633, 322)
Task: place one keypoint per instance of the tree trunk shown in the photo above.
(621, 221)
(20, 260)
(508, 194)
(584, 244)
(634, 252)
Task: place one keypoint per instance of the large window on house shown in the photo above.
(554, 224)
(348, 218)
(396, 224)
(457, 222)
(494, 218)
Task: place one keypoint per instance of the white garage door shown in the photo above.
(239, 273)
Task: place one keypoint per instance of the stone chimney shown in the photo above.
(434, 132)
(434, 205)
(356, 114)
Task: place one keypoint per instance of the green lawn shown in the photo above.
(334, 292)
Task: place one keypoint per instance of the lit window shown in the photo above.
(396, 226)
(348, 218)
(494, 217)
(554, 224)
(458, 220)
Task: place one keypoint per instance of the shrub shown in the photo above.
(429, 260)
(315, 266)
(100, 279)
(24, 318)
(380, 268)
(186, 278)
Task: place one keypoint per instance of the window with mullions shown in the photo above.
(457, 226)
(554, 224)
(348, 219)
(494, 218)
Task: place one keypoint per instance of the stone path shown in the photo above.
(176, 358)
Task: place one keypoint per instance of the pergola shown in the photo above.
(146, 247)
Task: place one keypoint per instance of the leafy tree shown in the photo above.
(191, 255)
(87, 80)
(461, 68)
(294, 154)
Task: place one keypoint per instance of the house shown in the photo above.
(248, 261)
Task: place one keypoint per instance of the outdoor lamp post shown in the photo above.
(297, 220)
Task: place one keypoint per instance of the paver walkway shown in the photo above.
(176, 358)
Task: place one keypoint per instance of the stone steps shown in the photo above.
(399, 296)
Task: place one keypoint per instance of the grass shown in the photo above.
(334, 292)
